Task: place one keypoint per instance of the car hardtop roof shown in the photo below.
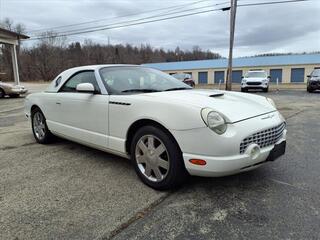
(66, 74)
(98, 66)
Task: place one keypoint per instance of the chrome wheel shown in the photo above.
(152, 158)
(39, 126)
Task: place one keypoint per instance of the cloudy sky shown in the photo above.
(293, 27)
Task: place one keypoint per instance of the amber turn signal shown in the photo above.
(198, 161)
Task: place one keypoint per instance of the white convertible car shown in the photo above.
(168, 129)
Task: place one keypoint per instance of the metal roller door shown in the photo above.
(236, 76)
(297, 75)
(218, 75)
(276, 74)
(203, 77)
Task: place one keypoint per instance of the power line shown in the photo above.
(135, 20)
(126, 25)
(163, 19)
(271, 3)
(122, 16)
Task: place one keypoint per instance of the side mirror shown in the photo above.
(309, 76)
(242, 76)
(269, 77)
(85, 87)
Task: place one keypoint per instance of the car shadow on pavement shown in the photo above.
(246, 179)
(238, 180)
(95, 154)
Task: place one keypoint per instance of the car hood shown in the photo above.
(315, 78)
(234, 106)
(254, 79)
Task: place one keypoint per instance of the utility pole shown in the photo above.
(233, 10)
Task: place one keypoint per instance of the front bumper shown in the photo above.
(222, 153)
(314, 84)
(224, 166)
(254, 85)
(18, 91)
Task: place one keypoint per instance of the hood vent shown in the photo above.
(216, 95)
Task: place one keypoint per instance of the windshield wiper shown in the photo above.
(178, 88)
(141, 90)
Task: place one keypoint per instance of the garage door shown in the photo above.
(218, 75)
(276, 74)
(203, 77)
(297, 75)
(236, 76)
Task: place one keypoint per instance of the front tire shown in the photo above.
(157, 158)
(39, 127)
(244, 90)
(266, 89)
(2, 93)
(310, 90)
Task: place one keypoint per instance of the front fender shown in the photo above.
(173, 116)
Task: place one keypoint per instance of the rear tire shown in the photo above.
(2, 93)
(40, 129)
(157, 159)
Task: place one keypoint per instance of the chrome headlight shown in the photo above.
(214, 120)
(271, 102)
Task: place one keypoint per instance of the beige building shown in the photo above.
(284, 69)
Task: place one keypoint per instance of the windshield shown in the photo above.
(182, 76)
(255, 75)
(126, 80)
(316, 73)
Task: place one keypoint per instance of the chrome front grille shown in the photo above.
(264, 138)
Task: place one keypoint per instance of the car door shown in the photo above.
(83, 116)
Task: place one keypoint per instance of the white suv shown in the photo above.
(255, 80)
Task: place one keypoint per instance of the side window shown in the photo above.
(81, 77)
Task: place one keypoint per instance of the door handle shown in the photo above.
(58, 103)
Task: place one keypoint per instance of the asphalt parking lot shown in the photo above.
(67, 191)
